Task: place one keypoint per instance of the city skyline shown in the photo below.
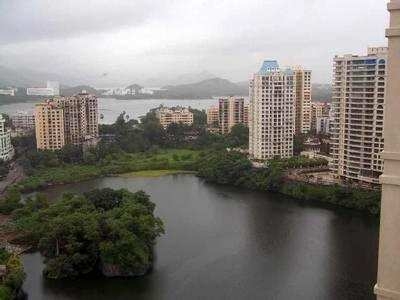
(117, 38)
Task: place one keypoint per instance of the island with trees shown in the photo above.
(111, 232)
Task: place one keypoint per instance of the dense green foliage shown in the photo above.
(297, 162)
(80, 234)
(114, 163)
(235, 169)
(15, 275)
(10, 201)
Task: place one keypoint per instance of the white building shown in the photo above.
(55, 85)
(40, 91)
(8, 92)
(52, 89)
(358, 101)
(272, 112)
(6, 148)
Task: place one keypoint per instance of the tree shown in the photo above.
(79, 234)
(199, 117)
(238, 136)
(298, 143)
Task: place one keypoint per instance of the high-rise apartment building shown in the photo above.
(303, 100)
(168, 115)
(66, 120)
(358, 100)
(272, 109)
(231, 112)
(6, 148)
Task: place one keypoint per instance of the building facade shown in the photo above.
(322, 125)
(168, 115)
(318, 110)
(303, 100)
(358, 100)
(6, 148)
(272, 112)
(231, 112)
(213, 116)
(67, 120)
(22, 124)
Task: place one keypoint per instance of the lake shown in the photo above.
(110, 108)
(227, 243)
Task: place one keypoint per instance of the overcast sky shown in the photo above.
(133, 40)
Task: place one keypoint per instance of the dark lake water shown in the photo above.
(225, 243)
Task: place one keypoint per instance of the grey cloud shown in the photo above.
(32, 20)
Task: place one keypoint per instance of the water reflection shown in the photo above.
(223, 243)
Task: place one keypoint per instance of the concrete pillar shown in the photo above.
(388, 285)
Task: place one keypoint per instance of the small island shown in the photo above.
(108, 232)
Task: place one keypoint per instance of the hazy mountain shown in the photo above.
(205, 89)
(181, 79)
(70, 91)
(321, 92)
(29, 78)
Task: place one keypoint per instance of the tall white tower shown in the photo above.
(271, 114)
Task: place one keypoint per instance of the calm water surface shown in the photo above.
(224, 243)
(111, 108)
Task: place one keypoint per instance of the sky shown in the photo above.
(104, 42)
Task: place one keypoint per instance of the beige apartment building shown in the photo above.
(213, 116)
(231, 112)
(303, 100)
(66, 120)
(358, 100)
(272, 112)
(178, 114)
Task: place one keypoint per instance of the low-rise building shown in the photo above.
(8, 92)
(169, 115)
(6, 148)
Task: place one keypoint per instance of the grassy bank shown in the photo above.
(154, 173)
(171, 160)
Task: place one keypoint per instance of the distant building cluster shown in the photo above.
(133, 90)
(169, 115)
(52, 89)
(67, 120)
(6, 148)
